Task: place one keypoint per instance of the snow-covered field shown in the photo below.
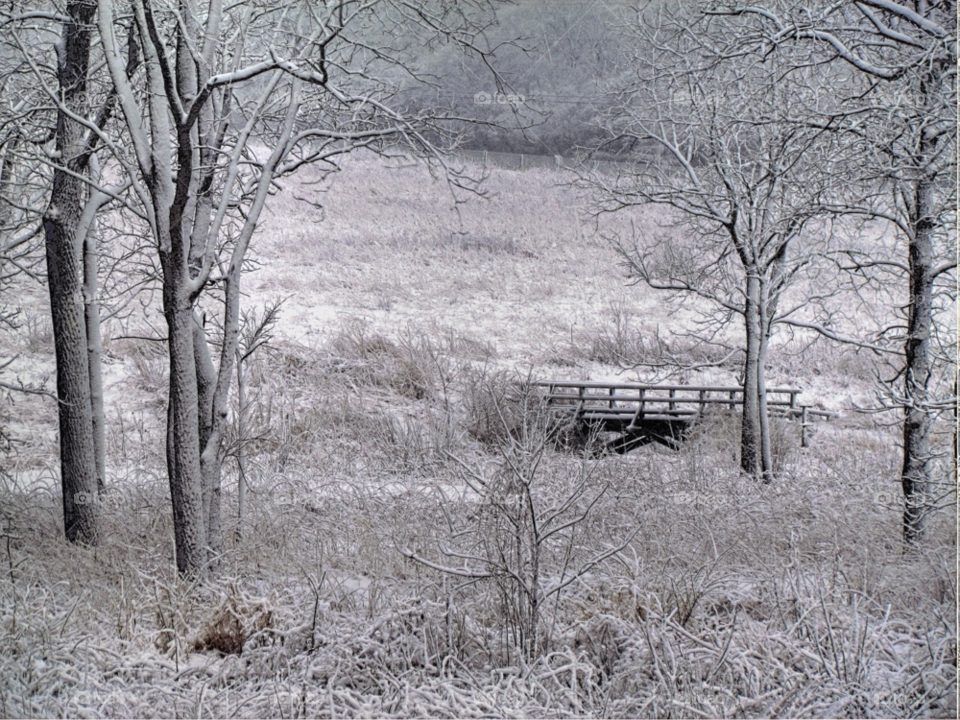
(370, 408)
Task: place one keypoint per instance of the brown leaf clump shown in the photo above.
(237, 619)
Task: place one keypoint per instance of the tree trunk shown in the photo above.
(918, 423)
(183, 456)
(78, 465)
(91, 309)
(751, 431)
(210, 461)
(922, 205)
(241, 444)
(766, 453)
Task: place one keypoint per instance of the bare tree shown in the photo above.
(897, 109)
(53, 133)
(525, 536)
(66, 222)
(62, 229)
(256, 331)
(743, 190)
(234, 97)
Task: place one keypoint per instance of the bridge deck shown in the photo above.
(661, 411)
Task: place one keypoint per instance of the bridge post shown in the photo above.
(703, 405)
(638, 417)
(733, 396)
(803, 427)
(673, 394)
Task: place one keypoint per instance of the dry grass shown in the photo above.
(388, 376)
(792, 600)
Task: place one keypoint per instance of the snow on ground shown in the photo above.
(800, 600)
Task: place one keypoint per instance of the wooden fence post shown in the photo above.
(642, 406)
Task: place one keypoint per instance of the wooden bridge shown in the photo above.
(642, 414)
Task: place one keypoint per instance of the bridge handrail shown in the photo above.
(672, 398)
(660, 399)
(597, 384)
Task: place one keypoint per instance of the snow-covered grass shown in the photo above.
(370, 408)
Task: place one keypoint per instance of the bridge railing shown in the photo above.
(599, 400)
